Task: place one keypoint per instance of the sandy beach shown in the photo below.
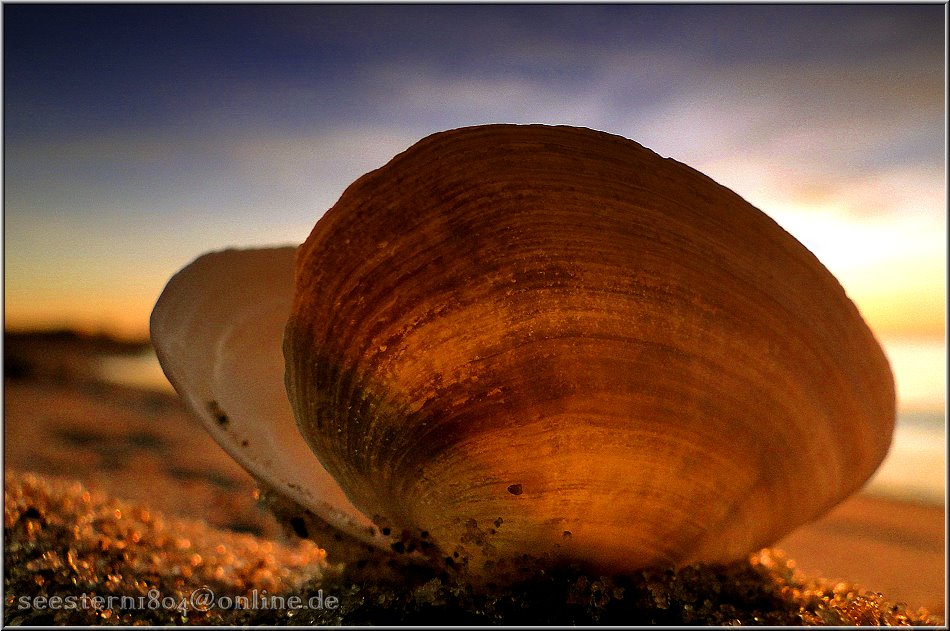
(145, 448)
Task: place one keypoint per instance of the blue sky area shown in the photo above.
(137, 137)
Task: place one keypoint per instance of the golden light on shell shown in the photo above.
(544, 341)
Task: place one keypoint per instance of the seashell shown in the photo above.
(544, 341)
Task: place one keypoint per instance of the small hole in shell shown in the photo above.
(300, 528)
(515, 489)
(218, 413)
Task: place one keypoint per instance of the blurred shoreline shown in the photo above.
(914, 469)
(81, 407)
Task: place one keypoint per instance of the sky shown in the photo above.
(138, 137)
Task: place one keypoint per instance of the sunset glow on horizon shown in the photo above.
(138, 138)
(895, 273)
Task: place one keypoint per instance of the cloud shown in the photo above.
(831, 119)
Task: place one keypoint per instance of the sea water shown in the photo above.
(141, 370)
(914, 469)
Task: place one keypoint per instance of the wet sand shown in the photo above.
(145, 448)
(895, 548)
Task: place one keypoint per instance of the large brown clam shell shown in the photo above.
(552, 341)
